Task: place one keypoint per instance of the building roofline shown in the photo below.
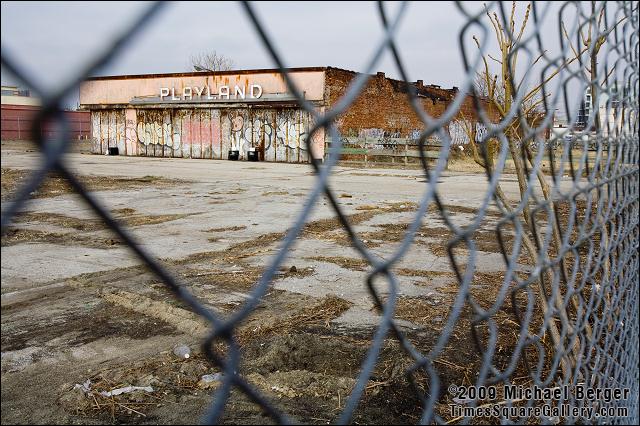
(204, 73)
(395, 80)
(244, 71)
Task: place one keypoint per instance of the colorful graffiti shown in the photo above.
(157, 134)
(278, 134)
(274, 132)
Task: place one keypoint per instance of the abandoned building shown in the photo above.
(250, 113)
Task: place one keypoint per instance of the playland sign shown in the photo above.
(204, 93)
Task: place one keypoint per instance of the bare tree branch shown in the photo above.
(528, 106)
(491, 57)
(211, 61)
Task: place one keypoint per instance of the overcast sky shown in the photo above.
(53, 39)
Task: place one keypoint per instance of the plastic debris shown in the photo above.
(182, 351)
(462, 401)
(209, 381)
(126, 389)
(85, 387)
(208, 378)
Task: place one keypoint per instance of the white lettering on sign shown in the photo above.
(223, 92)
(255, 90)
(239, 92)
(204, 93)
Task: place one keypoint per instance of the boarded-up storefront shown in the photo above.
(277, 134)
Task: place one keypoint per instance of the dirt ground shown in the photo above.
(78, 309)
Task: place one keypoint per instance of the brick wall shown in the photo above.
(383, 105)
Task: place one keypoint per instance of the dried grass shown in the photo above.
(407, 272)
(124, 216)
(421, 310)
(55, 184)
(316, 315)
(343, 262)
(237, 277)
(21, 235)
(226, 229)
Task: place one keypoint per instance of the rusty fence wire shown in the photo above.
(574, 307)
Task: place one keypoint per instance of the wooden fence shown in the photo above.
(387, 151)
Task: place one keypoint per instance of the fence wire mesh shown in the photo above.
(569, 317)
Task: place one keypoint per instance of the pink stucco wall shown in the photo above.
(197, 129)
(122, 91)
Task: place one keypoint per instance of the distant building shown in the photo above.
(611, 113)
(584, 112)
(19, 109)
(13, 95)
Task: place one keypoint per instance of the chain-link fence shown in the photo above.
(566, 320)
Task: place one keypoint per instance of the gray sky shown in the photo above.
(52, 39)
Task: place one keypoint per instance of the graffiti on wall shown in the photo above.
(279, 134)
(287, 129)
(383, 137)
(290, 131)
(371, 133)
(459, 131)
(108, 131)
(481, 132)
(380, 139)
(379, 134)
(130, 133)
(375, 138)
(152, 133)
(433, 139)
(237, 131)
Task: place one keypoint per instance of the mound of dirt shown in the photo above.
(304, 351)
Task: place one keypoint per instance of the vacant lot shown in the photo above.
(77, 305)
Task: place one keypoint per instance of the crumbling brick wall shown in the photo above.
(383, 107)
